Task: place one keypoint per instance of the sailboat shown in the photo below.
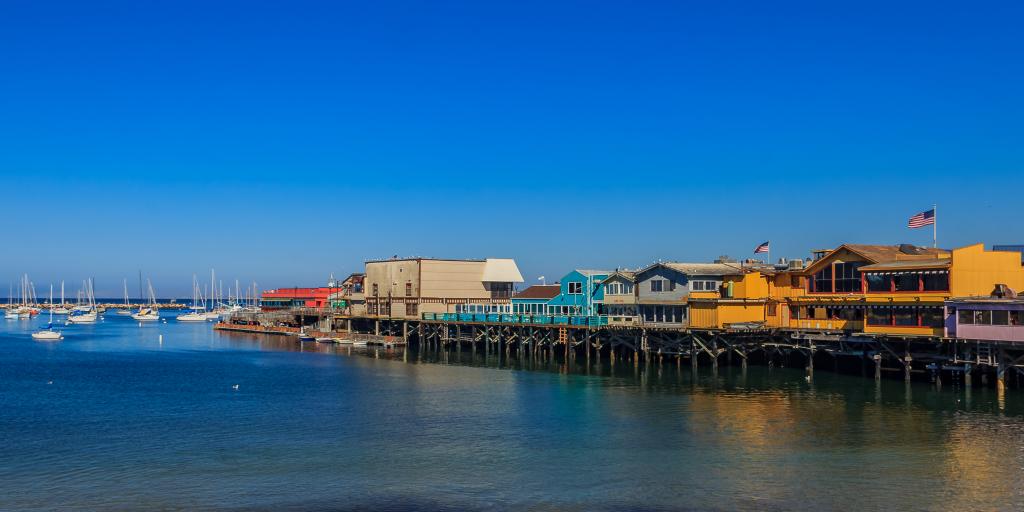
(215, 309)
(11, 313)
(60, 310)
(148, 313)
(127, 304)
(85, 314)
(48, 334)
(198, 313)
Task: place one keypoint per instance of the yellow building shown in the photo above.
(898, 289)
(753, 297)
(880, 289)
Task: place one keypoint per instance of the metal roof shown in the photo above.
(908, 265)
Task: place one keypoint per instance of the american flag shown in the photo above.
(926, 218)
(761, 248)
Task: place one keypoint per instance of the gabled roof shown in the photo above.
(885, 254)
(539, 291)
(908, 265)
(591, 272)
(697, 269)
(628, 275)
(501, 270)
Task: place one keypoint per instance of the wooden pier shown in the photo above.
(939, 360)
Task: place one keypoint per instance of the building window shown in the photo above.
(937, 282)
(375, 291)
(411, 309)
(848, 277)
(932, 317)
(575, 288)
(879, 316)
(879, 283)
(796, 282)
(772, 309)
(1014, 317)
(983, 317)
(821, 282)
(907, 282)
(408, 289)
(657, 285)
(1000, 317)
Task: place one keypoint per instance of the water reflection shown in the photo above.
(131, 423)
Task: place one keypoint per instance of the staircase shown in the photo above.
(985, 354)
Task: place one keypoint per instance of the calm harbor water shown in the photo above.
(113, 419)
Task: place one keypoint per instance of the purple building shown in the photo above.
(985, 318)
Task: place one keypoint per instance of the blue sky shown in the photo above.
(279, 142)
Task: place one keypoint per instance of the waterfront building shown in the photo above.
(619, 304)
(410, 287)
(349, 297)
(901, 289)
(534, 300)
(580, 292)
(287, 298)
(998, 317)
(748, 298)
(662, 289)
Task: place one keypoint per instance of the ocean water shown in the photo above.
(111, 418)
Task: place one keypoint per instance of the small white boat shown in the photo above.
(48, 334)
(78, 317)
(11, 314)
(192, 317)
(146, 315)
(358, 343)
(198, 313)
(60, 310)
(127, 304)
(343, 341)
(326, 340)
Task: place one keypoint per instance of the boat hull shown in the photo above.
(47, 336)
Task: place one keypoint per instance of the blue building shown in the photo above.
(534, 300)
(579, 293)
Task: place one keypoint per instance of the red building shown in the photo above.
(283, 298)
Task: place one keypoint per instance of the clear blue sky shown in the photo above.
(279, 142)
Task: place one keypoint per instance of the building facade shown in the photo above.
(986, 318)
(407, 288)
(534, 300)
(663, 289)
(580, 292)
(619, 303)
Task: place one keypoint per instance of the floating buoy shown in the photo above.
(161, 338)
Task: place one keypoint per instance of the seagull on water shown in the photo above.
(235, 387)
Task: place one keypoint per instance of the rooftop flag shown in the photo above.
(761, 248)
(925, 218)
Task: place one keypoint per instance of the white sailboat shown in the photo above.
(148, 313)
(60, 310)
(198, 313)
(11, 313)
(85, 313)
(48, 334)
(127, 304)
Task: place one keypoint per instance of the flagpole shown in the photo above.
(935, 226)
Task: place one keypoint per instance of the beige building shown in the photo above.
(407, 288)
